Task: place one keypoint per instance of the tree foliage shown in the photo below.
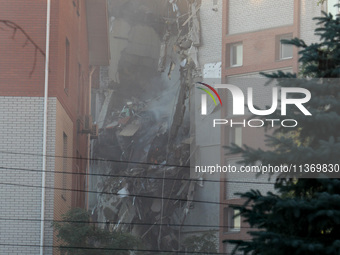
(303, 216)
(321, 2)
(78, 237)
(205, 243)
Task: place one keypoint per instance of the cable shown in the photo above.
(135, 177)
(126, 223)
(112, 193)
(94, 159)
(108, 249)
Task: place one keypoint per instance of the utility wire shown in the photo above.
(93, 159)
(125, 223)
(114, 193)
(109, 249)
(134, 177)
(96, 159)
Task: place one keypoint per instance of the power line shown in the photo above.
(134, 177)
(94, 159)
(125, 223)
(108, 249)
(113, 193)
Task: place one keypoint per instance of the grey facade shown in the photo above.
(21, 172)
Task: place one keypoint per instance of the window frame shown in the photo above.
(231, 52)
(236, 136)
(232, 219)
(280, 46)
(229, 220)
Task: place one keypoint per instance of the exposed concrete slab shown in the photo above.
(119, 32)
(103, 112)
(130, 129)
(144, 41)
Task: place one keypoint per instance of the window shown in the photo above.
(64, 187)
(236, 136)
(285, 51)
(67, 66)
(236, 54)
(232, 220)
(331, 8)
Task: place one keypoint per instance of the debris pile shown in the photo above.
(145, 141)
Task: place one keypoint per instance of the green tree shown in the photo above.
(78, 237)
(303, 217)
(205, 243)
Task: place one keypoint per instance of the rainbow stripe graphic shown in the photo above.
(209, 93)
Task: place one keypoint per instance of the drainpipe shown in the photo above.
(43, 175)
(91, 71)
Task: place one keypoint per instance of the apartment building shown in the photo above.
(36, 189)
(252, 31)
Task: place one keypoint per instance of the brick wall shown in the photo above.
(257, 24)
(211, 28)
(62, 198)
(248, 181)
(70, 25)
(17, 62)
(67, 21)
(253, 15)
(21, 164)
(21, 114)
(309, 10)
(50, 168)
(262, 94)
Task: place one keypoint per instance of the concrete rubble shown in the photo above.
(144, 137)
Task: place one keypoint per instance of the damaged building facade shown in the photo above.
(151, 130)
(140, 107)
(144, 108)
